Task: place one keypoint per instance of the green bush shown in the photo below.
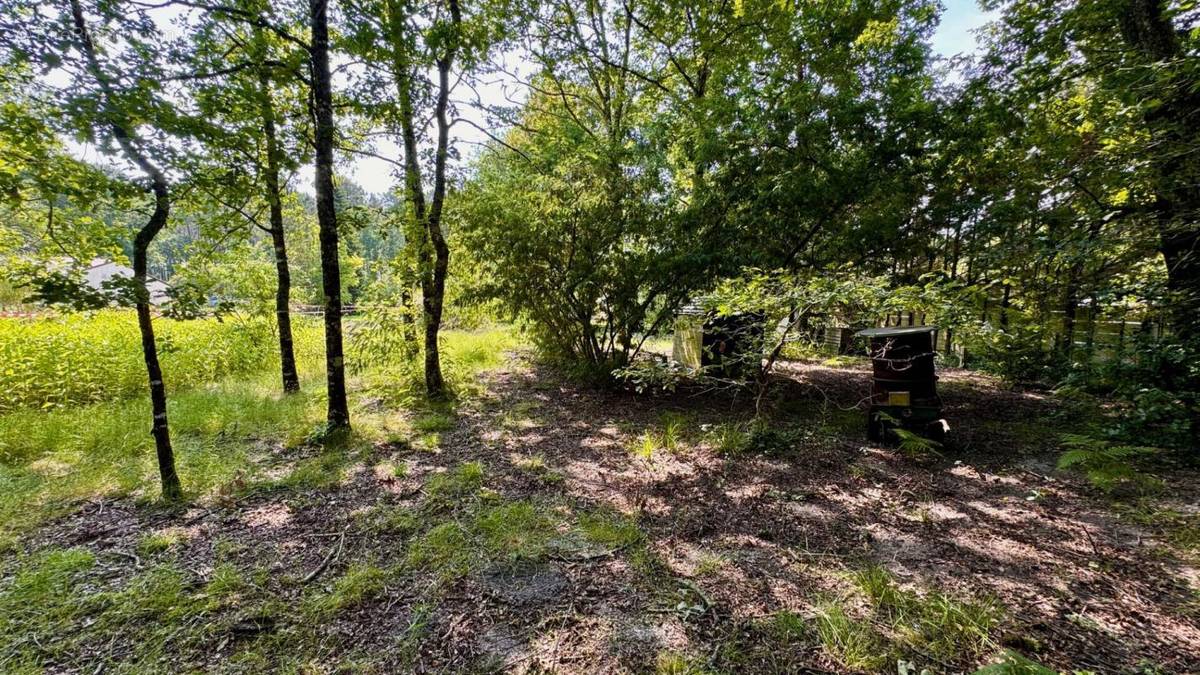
(87, 358)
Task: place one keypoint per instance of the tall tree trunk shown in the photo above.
(338, 415)
(433, 252)
(1149, 31)
(172, 489)
(122, 132)
(283, 277)
(433, 286)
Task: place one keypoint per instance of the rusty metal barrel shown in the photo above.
(904, 387)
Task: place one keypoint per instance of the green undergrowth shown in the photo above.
(879, 622)
(55, 362)
(67, 607)
(474, 529)
(58, 607)
(227, 437)
(50, 460)
(464, 355)
(871, 627)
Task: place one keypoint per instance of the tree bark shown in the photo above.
(283, 286)
(338, 415)
(123, 133)
(1148, 30)
(434, 264)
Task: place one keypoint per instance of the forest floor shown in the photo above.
(542, 526)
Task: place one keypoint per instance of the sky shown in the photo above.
(954, 35)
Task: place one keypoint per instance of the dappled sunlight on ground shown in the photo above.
(592, 531)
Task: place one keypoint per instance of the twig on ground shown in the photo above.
(333, 552)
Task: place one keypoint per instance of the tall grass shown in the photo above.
(87, 358)
(52, 458)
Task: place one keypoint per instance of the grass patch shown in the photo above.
(452, 488)
(158, 542)
(388, 519)
(52, 458)
(673, 663)
(40, 601)
(55, 609)
(933, 624)
(728, 438)
(536, 467)
(520, 416)
(49, 460)
(434, 422)
(90, 357)
(464, 355)
(610, 530)
(853, 642)
(507, 533)
(362, 581)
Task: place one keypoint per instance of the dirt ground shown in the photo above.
(730, 540)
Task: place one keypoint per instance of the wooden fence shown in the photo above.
(1096, 336)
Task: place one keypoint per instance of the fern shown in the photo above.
(915, 444)
(1105, 465)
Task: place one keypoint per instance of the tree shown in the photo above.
(402, 39)
(245, 151)
(115, 94)
(1145, 80)
(338, 412)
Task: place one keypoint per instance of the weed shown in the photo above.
(765, 439)
(88, 358)
(644, 446)
(1012, 663)
(520, 416)
(673, 663)
(673, 428)
(226, 581)
(445, 549)
(877, 584)
(788, 626)
(432, 422)
(516, 531)
(729, 439)
(318, 473)
(408, 644)
(710, 563)
(935, 623)
(388, 519)
(40, 600)
(536, 467)
(609, 529)
(157, 542)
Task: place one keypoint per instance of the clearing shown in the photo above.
(539, 525)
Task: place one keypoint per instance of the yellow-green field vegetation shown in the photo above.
(85, 440)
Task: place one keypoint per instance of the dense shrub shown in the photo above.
(84, 358)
